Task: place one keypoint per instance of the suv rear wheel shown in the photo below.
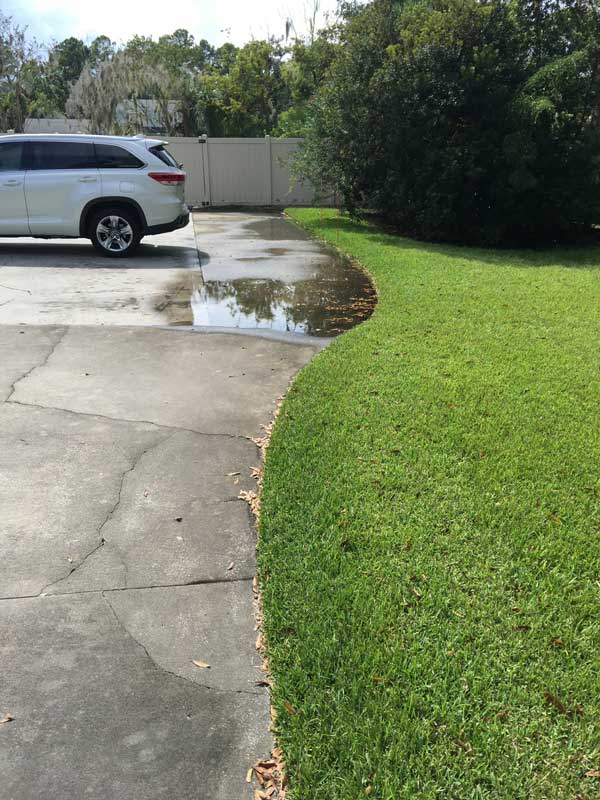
(115, 232)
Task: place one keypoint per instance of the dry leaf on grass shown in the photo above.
(201, 664)
(553, 700)
(592, 773)
(289, 707)
(465, 746)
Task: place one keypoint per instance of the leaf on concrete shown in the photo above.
(6, 718)
(201, 664)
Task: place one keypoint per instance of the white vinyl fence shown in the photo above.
(241, 172)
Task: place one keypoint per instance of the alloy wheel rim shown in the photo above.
(114, 233)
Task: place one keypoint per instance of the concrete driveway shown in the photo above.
(125, 551)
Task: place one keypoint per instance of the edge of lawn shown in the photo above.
(396, 747)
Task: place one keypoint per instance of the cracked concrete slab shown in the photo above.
(207, 623)
(95, 716)
(179, 518)
(125, 551)
(60, 478)
(217, 383)
(22, 349)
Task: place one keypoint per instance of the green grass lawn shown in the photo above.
(430, 531)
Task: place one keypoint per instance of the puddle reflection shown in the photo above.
(336, 299)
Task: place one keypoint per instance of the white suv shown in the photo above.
(110, 189)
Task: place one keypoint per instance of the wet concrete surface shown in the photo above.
(262, 272)
(126, 552)
(248, 271)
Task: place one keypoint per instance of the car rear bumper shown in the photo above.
(180, 222)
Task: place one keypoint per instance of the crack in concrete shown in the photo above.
(174, 428)
(168, 671)
(112, 511)
(201, 582)
(6, 302)
(13, 386)
(15, 288)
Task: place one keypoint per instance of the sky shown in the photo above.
(218, 21)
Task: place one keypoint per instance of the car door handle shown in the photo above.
(88, 179)
(12, 182)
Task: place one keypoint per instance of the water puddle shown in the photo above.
(323, 307)
(246, 282)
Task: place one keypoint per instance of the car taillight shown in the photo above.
(168, 178)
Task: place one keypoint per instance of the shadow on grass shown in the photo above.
(565, 256)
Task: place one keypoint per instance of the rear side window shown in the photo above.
(61, 155)
(161, 152)
(111, 156)
(10, 156)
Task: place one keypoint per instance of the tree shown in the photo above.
(247, 100)
(69, 58)
(303, 75)
(465, 120)
(17, 74)
(100, 50)
(98, 93)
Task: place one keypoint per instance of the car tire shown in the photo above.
(115, 232)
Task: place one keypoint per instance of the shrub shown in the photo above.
(465, 120)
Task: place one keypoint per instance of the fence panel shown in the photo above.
(241, 171)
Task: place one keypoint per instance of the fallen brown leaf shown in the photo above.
(201, 664)
(368, 789)
(230, 566)
(553, 700)
(249, 775)
(266, 763)
(465, 746)
(592, 773)
(6, 718)
(289, 707)
(232, 474)
(502, 714)
(557, 642)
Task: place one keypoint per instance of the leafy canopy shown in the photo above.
(465, 120)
